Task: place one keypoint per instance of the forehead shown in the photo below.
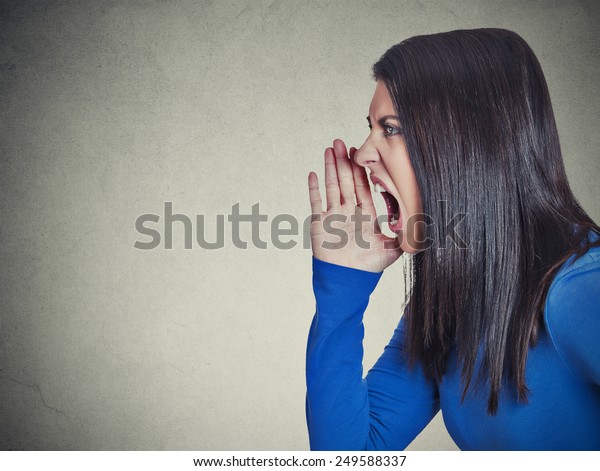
(381, 103)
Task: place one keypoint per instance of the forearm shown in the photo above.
(383, 411)
(337, 396)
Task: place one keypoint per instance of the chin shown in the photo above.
(412, 233)
(411, 249)
(412, 243)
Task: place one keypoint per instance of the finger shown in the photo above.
(316, 205)
(361, 183)
(364, 198)
(332, 186)
(344, 171)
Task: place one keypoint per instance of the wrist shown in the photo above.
(346, 274)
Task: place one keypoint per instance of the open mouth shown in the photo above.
(393, 207)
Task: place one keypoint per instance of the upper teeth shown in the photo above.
(378, 188)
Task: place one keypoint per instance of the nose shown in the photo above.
(366, 154)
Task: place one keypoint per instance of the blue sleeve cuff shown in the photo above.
(363, 280)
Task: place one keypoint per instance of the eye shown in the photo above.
(390, 130)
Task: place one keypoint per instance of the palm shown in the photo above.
(348, 233)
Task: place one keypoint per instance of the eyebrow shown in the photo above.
(381, 121)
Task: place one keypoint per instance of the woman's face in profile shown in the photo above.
(384, 154)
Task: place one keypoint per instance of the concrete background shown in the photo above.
(110, 109)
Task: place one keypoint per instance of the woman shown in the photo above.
(502, 326)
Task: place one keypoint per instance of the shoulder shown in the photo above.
(572, 314)
(576, 277)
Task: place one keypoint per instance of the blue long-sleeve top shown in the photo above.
(388, 408)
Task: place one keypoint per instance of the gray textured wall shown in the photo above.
(109, 109)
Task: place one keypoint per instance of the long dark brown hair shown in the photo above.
(480, 131)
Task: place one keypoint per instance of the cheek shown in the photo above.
(409, 193)
(411, 188)
(416, 198)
